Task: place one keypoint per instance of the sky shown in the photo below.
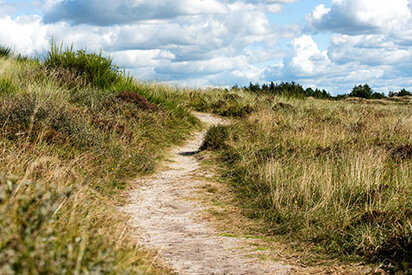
(326, 44)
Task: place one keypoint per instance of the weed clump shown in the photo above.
(215, 138)
(27, 233)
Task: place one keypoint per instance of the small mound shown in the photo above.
(134, 98)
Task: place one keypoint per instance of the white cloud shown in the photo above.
(26, 35)
(368, 50)
(360, 16)
(307, 59)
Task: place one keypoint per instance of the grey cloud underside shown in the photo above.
(340, 22)
(106, 13)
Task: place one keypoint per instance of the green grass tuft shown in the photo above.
(91, 68)
(5, 51)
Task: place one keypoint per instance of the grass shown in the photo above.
(67, 152)
(5, 51)
(82, 67)
(336, 175)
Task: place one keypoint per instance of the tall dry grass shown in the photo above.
(334, 174)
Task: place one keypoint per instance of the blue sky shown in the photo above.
(330, 44)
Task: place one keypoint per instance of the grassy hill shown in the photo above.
(76, 131)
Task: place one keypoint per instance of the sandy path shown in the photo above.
(167, 219)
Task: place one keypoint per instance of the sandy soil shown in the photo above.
(167, 218)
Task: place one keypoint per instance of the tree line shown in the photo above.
(292, 89)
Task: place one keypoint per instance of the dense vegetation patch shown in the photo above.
(80, 66)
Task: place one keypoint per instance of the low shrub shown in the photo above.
(215, 138)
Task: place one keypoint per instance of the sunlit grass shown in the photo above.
(335, 174)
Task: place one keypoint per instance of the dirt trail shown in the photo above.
(167, 219)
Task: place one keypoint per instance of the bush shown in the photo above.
(93, 68)
(27, 210)
(215, 138)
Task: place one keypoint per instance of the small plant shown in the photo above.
(5, 51)
(94, 69)
(215, 138)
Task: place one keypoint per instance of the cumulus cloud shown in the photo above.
(6, 8)
(105, 12)
(26, 34)
(305, 60)
(348, 61)
(360, 16)
(219, 45)
(369, 50)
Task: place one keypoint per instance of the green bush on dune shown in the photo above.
(92, 68)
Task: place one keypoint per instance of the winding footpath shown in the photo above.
(167, 219)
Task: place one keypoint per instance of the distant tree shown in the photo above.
(402, 92)
(362, 91)
(254, 87)
(287, 89)
(265, 88)
(235, 87)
